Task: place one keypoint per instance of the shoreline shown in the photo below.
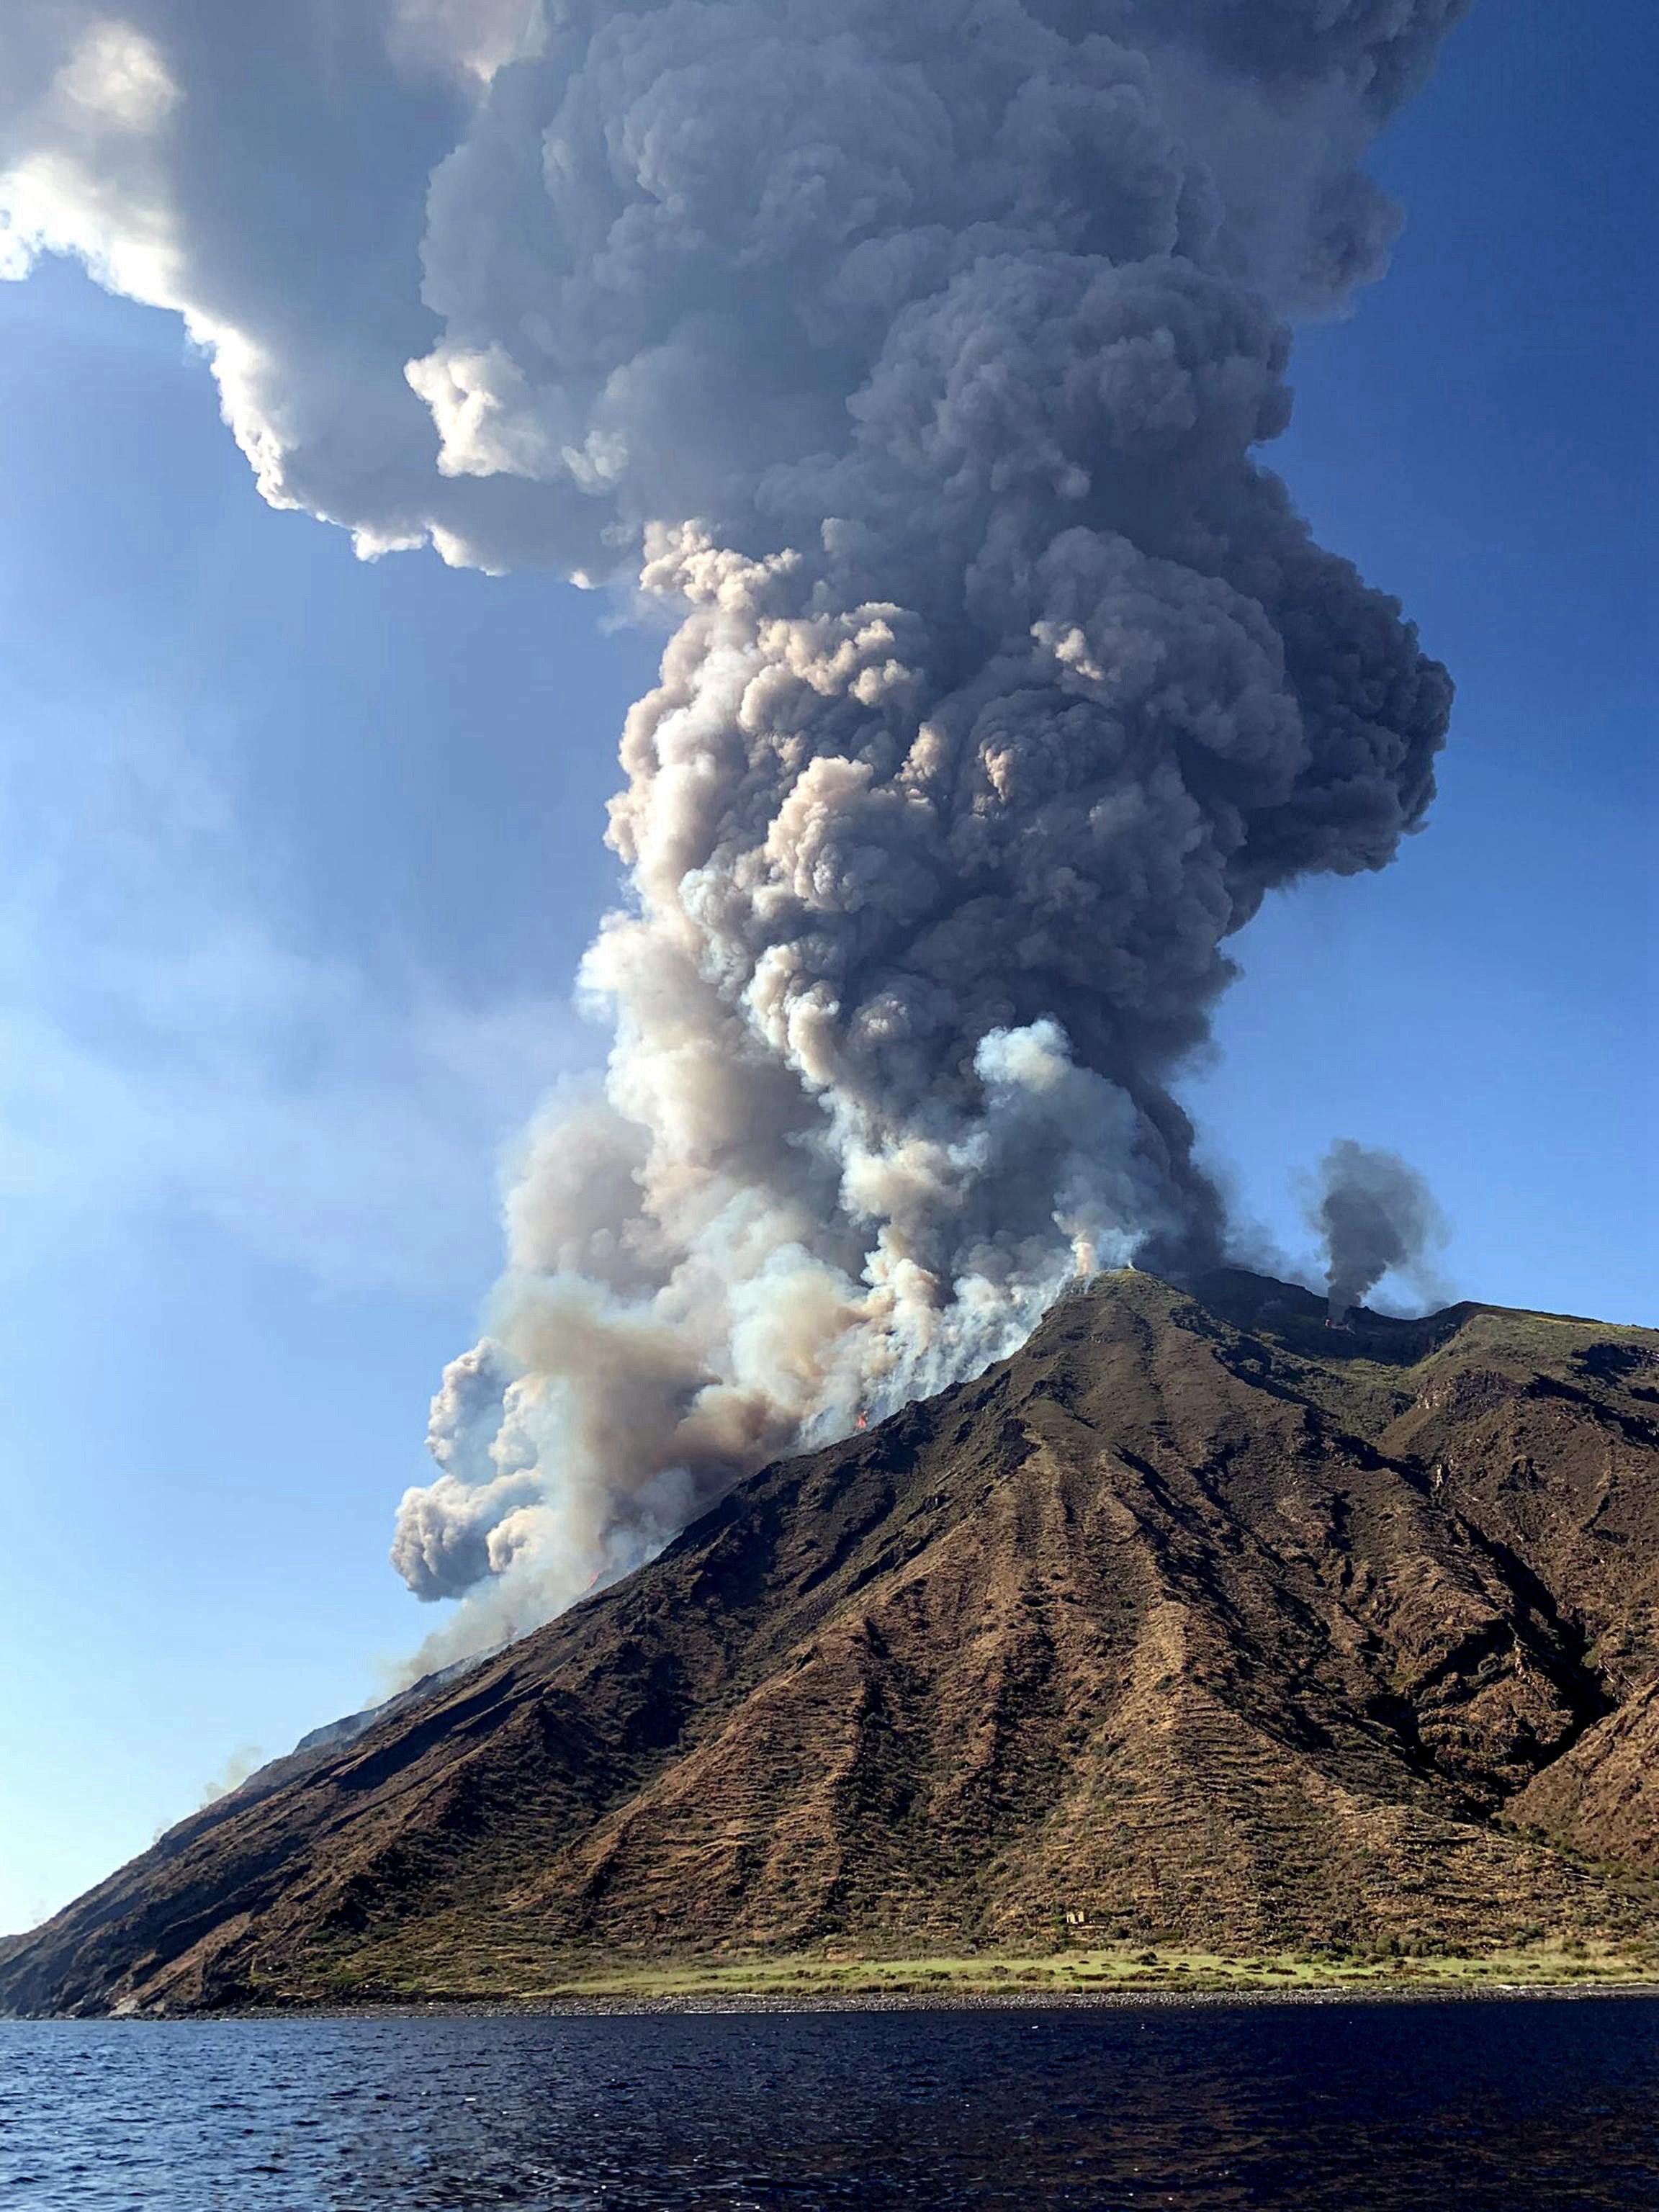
(724, 2004)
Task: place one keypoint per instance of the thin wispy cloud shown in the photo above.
(168, 1039)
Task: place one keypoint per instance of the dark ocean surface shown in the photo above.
(1507, 2106)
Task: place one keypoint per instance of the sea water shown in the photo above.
(1545, 2102)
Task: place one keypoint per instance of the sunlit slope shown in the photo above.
(1195, 1618)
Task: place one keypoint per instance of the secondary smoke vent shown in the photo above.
(1375, 1215)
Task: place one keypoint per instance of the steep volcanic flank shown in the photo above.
(1195, 1615)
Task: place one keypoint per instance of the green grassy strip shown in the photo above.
(1099, 1971)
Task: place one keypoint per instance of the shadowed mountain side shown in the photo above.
(1194, 1616)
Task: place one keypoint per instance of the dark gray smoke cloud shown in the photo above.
(921, 355)
(1375, 1215)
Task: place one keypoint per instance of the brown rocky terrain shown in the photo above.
(1195, 1620)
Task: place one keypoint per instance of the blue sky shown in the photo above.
(299, 852)
(1478, 438)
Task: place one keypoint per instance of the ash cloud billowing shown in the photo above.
(1376, 1216)
(918, 358)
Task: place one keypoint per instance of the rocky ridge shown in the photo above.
(1194, 1621)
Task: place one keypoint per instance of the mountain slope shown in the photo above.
(1194, 1617)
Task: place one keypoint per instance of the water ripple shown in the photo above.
(1531, 2106)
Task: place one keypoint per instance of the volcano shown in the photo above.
(1194, 1621)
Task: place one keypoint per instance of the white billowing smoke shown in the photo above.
(918, 356)
(1376, 1216)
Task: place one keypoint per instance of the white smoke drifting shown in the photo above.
(1376, 1216)
(920, 353)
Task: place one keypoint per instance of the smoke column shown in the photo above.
(1374, 1214)
(917, 357)
(1009, 685)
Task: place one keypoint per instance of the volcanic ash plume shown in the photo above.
(920, 353)
(1008, 685)
(1375, 1213)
